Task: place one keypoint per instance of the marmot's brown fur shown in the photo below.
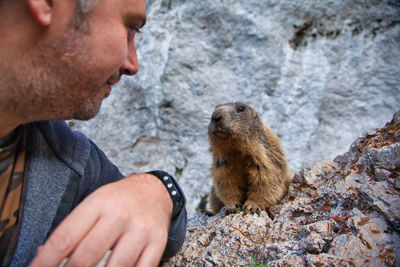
(249, 167)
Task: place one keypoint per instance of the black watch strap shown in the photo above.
(174, 190)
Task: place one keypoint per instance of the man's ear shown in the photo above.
(42, 10)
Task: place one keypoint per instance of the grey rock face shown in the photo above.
(336, 213)
(319, 73)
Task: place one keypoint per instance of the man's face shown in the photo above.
(77, 66)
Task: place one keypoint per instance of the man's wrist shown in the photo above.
(175, 192)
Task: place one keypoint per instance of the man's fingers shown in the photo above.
(152, 252)
(65, 238)
(126, 252)
(96, 243)
(151, 255)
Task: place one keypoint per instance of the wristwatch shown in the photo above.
(174, 190)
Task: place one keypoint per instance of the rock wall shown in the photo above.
(344, 212)
(318, 72)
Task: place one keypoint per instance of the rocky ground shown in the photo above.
(344, 212)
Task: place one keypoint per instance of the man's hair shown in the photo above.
(82, 10)
(85, 6)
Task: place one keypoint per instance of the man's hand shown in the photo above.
(131, 217)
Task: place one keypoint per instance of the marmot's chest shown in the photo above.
(236, 162)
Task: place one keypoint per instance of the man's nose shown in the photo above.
(131, 64)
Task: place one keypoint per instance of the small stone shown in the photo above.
(313, 243)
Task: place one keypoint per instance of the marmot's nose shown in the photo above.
(216, 118)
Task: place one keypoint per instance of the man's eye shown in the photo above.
(135, 30)
(132, 31)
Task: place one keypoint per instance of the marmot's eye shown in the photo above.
(241, 109)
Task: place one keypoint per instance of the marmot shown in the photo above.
(249, 167)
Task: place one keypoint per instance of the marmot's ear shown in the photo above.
(255, 115)
(42, 11)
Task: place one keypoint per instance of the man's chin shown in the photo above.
(84, 117)
(87, 113)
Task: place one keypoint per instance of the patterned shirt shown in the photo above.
(12, 190)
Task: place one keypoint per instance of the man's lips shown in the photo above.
(111, 83)
(113, 79)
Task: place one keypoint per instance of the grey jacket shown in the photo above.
(64, 168)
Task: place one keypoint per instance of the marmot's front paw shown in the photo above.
(251, 207)
(236, 209)
(230, 211)
(208, 213)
